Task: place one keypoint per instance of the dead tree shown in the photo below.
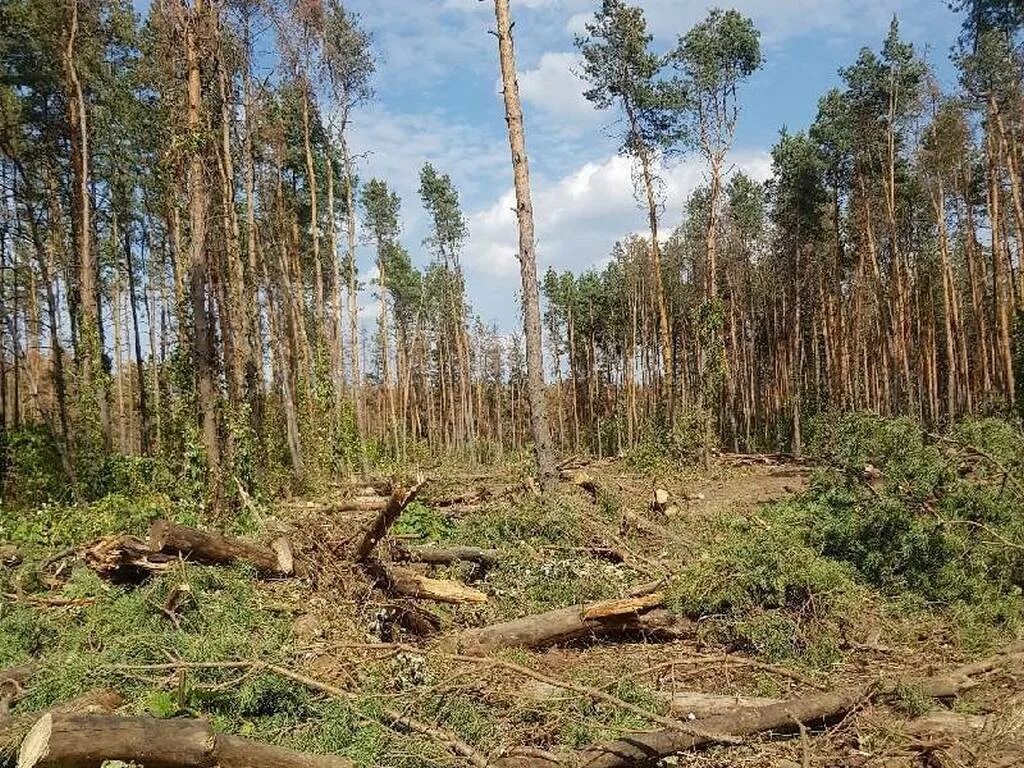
(633, 614)
(206, 547)
(14, 727)
(385, 519)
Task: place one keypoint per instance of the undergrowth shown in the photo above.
(911, 522)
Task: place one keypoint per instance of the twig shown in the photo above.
(396, 718)
(392, 718)
(1007, 475)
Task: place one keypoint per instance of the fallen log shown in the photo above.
(125, 558)
(566, 624)
(207, 547)
(60, 740)
(408, 583)
(446, 555)
(385, 519)
(698, 705)
(412, 584)
(648, 748)
(14, 727)
(360, 504)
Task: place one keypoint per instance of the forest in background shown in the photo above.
(179, 290)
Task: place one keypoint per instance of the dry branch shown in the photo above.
(701, 705)
(360, 504)
(647, 748)
(574, 622)
(60, 740)
(447, 555)
(207, 547)
(385, 519)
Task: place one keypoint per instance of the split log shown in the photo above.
(207, 547)
(14, 727)
(409, 583)
(447, 555)
(385, 519)
(87, 741)
(572, 623)
(648, 748)
(125, 558)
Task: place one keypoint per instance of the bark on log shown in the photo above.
(572, 623)
(385, 519)
(12, 683)
(14, 727)
(447, 555)
(701, 705)
(86, 741)
(207, 547)
(647, 748)
(361, 504)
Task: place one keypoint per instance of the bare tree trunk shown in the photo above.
(202, 346)
(90, 349)
(546, 471)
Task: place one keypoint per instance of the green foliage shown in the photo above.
(56, 526)
(417, 518)
(34, 468)
(534, 520)
(719, 52)
(621, 69)
(914, 512)
(748, 567)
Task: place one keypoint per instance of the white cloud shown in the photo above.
(580, 216)
(554, 88)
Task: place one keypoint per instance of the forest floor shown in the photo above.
(333, 661)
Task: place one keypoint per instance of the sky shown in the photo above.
(437, 99)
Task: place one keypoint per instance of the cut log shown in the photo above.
(447, 555)
(14, 727)
(648, 748)
(213, 548)
(12, 683)
(385, 519)
(10, 556)
(87, 741)
(566, 624)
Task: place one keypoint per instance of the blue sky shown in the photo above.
(437, 99)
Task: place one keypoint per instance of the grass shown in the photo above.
(799, 584)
